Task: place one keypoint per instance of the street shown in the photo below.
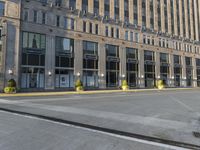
(168, 115)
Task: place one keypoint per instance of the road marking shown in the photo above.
(102, 132)
(181, 103)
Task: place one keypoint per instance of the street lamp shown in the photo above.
(78, 74)
(10, 71)
(49, 73)
(102, 75)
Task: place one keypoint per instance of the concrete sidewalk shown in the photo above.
(56, 93)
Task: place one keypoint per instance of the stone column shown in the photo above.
(122, 55)
(131, 12)
(162, 16)
(175, 18)
(191, 20)
(78, 59)
(121, 10)
(169, 17)
(140, 13)
(157, 65)
(181, 17)
(11, 51)
(171, 69)
(102, 65)
(194, 72)
(91, 6)
(186, 19)
(101, 8)
(183, 81)
(196, 21)
(141, 68)
(155, 15)
(148, 14)
(50, 63)
(112, 10)
(79, 4)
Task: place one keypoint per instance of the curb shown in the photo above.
(90, 92)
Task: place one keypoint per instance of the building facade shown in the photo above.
(49, 44)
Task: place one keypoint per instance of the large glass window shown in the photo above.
(177, 70)
(164, 67)
(189, 71)
(132, 66)
(33, 60)
(198, 72)
(64, 63)
(149, 69)
(90, 64)
(112, 65)
(2, 8)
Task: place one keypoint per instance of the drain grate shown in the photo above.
(196, 134)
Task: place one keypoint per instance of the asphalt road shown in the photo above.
(28, 133)
(170, 115)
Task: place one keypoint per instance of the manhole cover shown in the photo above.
(196, 134)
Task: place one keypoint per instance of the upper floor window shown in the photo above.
(90, 47)
(72, 4)
(26, 15)
(2, 8)
(43, 18)
(35, 16)
(112, 50)
(34, 40)
(58, 2)
(64, 44)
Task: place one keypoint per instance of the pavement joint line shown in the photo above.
(89, 92)
(112, 132)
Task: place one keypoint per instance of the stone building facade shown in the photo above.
(49, 44)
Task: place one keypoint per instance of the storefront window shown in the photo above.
(112, 65)
(33, 60)
(90, 64)
(132, 66)
(164, 68)
(64, 72)
(149, 69)
(177, 70)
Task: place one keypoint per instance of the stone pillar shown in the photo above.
(112, 10)
(169, 17)
(194, 72)
(91, 6)
(121, 10)
(101, 8)
(122, 55)
(191, 20)
(157, 65)
(171, 69)
(50, 63)
(148, 14)
(183, 80)
(140, 13)
(79, 4)
(102, 66)
(175, 18)
(155, 15)
(131, 12)
(11, 51)
(186, 19)
(196, 21)
(181, 17)
(141, 68)
(78, 59)
(162, 15)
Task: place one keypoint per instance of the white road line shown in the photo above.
(105, 133)
(79, 98)
(182, 104)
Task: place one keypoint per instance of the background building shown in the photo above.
(49, 44)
